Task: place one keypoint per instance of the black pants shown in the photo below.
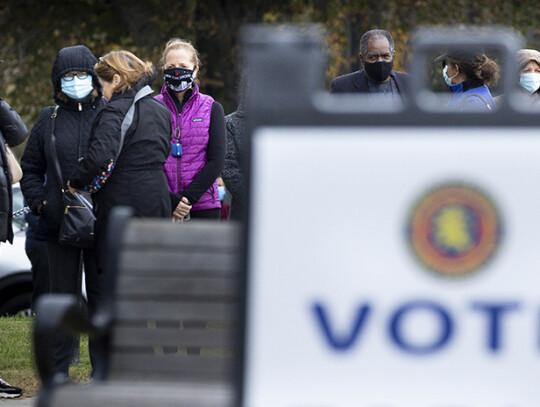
(37, 253)
(64, 277)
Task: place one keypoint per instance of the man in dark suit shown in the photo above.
(377, 56)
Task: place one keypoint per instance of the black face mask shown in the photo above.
(379, 71)
(178, 79)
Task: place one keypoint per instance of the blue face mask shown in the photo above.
(222, 192)
(445, 75)
(530, 82)
(77, 88)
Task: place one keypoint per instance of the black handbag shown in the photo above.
(77, 223)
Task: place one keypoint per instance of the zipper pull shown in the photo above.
(80, 107)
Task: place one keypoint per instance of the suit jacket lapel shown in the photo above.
(396, 80)
(360, 82)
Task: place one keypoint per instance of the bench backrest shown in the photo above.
(177, 297)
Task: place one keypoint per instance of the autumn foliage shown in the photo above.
(33, 31)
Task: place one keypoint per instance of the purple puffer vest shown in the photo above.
(193, 126)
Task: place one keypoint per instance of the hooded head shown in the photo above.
(524, 56)
(76, 58)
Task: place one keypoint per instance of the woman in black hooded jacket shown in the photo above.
(78, 93)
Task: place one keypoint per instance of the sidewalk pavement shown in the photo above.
(28, 402)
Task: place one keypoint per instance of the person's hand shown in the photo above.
(73, 190)
(182, 209)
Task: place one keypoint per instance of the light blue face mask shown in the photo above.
(77, 88)
(222, 192)
(445, 75)
(530, 82)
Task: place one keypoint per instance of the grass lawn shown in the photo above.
(17, 360)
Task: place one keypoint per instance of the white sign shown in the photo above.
(394, 267)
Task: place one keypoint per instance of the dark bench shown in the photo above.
(169, 327)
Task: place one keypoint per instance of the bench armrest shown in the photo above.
(54, 312)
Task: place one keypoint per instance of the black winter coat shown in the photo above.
(40, 183)
(12, 131)
(138, 179)
(233, 178)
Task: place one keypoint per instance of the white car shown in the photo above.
(15, 268)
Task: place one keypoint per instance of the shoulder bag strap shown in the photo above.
(53, 149)
(128, 119)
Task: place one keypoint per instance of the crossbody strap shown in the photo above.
(128, 119)
(53, 149)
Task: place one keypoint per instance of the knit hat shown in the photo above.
(524, 56)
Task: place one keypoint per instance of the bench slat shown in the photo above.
(146, 232)
(139, 393)
(174, 311)
(138, 261)
(128, 336)
(143, 287)
(184, 367)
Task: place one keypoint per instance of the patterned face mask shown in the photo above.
(179, 79)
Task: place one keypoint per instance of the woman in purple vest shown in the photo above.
(198, 140)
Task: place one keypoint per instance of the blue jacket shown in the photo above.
(470, 96)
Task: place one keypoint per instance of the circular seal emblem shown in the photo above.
(454, 229)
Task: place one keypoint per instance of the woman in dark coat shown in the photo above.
(13, 132)
(232, 171)
(137, 178)
(77, 92)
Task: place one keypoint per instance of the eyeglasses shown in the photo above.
(81, 75)
(387, 57)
